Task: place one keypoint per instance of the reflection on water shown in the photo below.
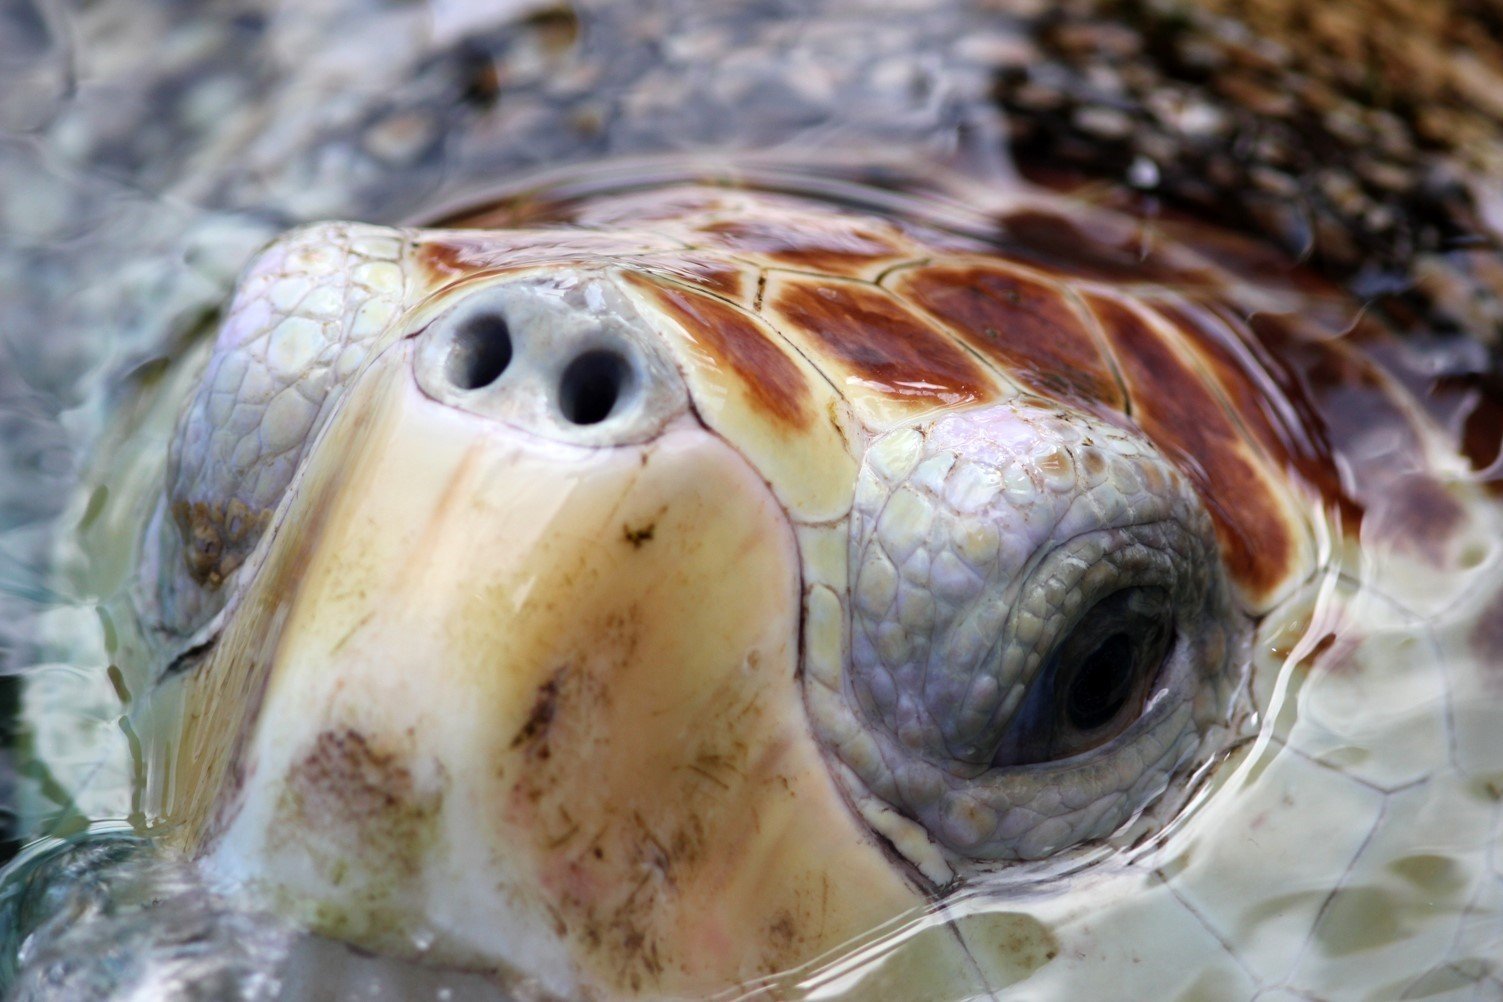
(104, 917)
(144, 155)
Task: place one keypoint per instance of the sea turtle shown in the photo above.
(808, 572)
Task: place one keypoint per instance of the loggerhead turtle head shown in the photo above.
(659, 602)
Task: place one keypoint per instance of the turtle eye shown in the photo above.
(1096, 682)
(1044, 643)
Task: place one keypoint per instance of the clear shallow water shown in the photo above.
(1346, 847)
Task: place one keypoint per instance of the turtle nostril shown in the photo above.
(480, 352)
(562, 357)
(592, 385)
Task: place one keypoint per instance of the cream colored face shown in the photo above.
(515, 708)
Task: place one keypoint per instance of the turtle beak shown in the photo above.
(509, 702)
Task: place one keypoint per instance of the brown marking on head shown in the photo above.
(825, 243)
(1185, 419)
(639, 536)
(216, 536)
(443, 261)
(768, 376)
(560, 707)
(533, 734)
(588, 205)
(1239, 260)
(345, 794)
(1101, 248)
(1243, 256)
(782, 930)
(1027, 326)
(1027, 942)
(1331, 654)
(881, 342)
(458, 256)
(619, 882)
(1274, 409)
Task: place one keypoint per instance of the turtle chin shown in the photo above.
(511, 703)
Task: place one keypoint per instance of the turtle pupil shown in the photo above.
(591, 386)
(1102, 684)
(481, 352)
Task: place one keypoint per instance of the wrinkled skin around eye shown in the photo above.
(1042, 636)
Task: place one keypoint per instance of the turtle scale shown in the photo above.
(1022, 324)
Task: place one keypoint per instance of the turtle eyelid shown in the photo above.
(1043, 635)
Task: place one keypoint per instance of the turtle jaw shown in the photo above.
(509, 703)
